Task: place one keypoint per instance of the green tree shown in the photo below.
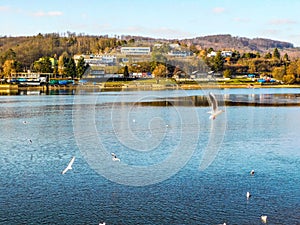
(43, 65)
(81, 67)
(126, 73)
(286, 57)
(218, 62)
(268, 55)
(276, 53)
(227, 73)
(70, 68)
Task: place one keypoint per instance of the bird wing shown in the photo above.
(65, 170)
(71, 162)
(213, 101)
(69, 167)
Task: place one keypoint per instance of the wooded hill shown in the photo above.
(250, 55)
(238, 43)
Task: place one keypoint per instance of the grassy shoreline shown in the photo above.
(137, 85)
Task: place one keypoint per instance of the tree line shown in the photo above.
(54, 53)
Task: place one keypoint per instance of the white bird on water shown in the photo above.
(114, 157)
(69, 167)
(248, 195)
(264, 219)
(215, 111)
(252, 172)
(102, 223)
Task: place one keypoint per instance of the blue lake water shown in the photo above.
(177, 166)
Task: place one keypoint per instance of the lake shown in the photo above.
(176, 166)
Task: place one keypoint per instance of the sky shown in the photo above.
(170, 19)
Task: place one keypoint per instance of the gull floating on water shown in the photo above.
(252, 172)
(215, 111)
(114, 157)
(25, 122)
(102, 223)
(264, 219)
(69, 167)
(248, 195)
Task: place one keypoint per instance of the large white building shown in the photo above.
(135, 50)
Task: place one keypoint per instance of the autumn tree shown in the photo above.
(160, 70)
(8, 68)
(61, 63)
(278, 73)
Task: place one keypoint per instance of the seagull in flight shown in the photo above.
(69, 167)
(215, 111)
(114, 157)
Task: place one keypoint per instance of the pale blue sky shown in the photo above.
(275, 19)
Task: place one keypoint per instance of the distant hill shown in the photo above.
(226, 41)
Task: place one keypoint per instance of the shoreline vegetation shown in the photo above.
(136, 85)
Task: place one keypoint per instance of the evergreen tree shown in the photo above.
(126, 73)
(276, 53)
(218, 62)
(81, 67)
(70, 68)
(285, 57)
(268, 55)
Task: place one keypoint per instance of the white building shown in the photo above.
(223, 54)
(180, 53)
(135, 50)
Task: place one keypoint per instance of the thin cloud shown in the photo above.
(242, 20)
(218, 10)
(282, 22)
(271, 32)
(4, 8)
(50, 13)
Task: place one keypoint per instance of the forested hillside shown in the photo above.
(261, 56)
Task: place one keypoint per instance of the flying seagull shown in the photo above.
(215, 111)
(114, 157)
(264, 219)
(69, 167)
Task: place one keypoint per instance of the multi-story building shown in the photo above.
(135, 50)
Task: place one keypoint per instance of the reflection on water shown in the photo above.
(33, 191)
(228, 100)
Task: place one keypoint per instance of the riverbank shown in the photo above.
(119, 86)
